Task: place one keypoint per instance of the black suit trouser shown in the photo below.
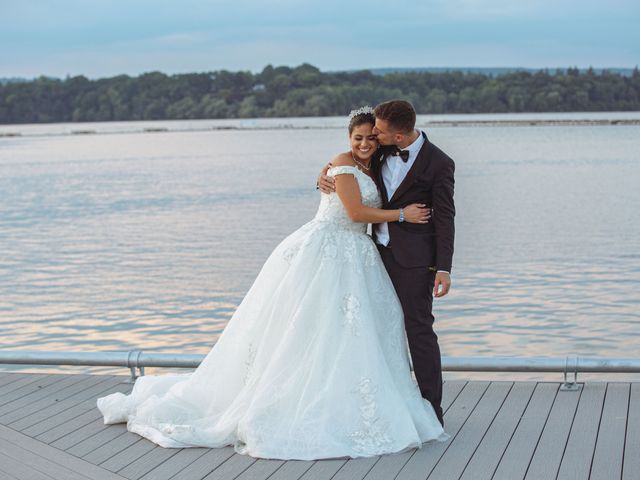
(414, 287)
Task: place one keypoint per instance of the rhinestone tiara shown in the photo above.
(360, 111)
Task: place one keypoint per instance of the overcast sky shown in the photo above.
(110, 37)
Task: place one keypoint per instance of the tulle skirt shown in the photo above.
(312, 365)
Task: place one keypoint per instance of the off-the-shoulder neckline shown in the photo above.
(357, 170)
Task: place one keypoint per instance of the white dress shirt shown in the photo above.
(394, 170)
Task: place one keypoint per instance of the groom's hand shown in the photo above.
(443, 279)
(326, 184)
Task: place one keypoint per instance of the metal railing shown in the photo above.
(137, 359)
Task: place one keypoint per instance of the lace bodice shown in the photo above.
(331, 208)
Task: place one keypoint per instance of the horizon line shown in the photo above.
(442, 69)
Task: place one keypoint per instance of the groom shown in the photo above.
(408, 169)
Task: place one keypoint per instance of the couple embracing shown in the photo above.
(314, 363)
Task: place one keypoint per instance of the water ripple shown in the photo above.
(140, 242)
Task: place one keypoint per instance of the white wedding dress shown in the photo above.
(313, 364)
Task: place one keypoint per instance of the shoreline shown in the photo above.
(17, 133)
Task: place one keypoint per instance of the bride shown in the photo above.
(313, 364)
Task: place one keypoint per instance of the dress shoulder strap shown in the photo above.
(341, 170)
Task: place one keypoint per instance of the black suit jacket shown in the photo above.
(429, 181)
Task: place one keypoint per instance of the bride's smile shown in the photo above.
(363, 142)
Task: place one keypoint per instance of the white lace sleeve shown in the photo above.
(333, 171)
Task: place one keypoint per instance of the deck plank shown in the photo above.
(8, 377)
(460, 449)
(48, 453)
(323, 469)
(65, 409)
(261, 469)
(69, 421)
(424, 459)
(148, 461)
(485, 459)
(120, 452)
(500, 430)
(174, 465)
(89, 430)
(21, 375)
(31, 413)
(608, 455)
(5, 475)
(631, 463)
(516, 458)
(24, 393)
(576, 461)
(102, 440)
(549, 451)
(38, 463)
(46, 392)
(356, 468)
(292, 470)
(21, 470)
(205, 464)
(16, 381)
(231, 467)
(76, 419)
(450, 391)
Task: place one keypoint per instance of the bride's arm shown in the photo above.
(349, 193)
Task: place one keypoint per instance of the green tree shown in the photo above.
(305, 90)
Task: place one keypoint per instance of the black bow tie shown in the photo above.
(396, 152)
(403, 154)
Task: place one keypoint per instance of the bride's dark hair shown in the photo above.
(360, 117)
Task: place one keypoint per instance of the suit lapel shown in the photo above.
(421, 160)
(377, 174)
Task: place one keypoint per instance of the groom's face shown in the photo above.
(385, 135)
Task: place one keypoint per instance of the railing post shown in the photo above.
(570, 386)
(133, 365)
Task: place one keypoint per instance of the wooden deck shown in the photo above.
(50, 428)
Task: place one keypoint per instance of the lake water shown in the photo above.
(133, 240)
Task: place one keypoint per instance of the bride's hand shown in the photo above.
(417, 213)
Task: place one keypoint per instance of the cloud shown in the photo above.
(100, 38)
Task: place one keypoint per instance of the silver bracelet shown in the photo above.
(401, 219)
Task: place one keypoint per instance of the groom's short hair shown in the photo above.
(399, 114)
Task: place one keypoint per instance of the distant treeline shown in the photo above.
(306, 91)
